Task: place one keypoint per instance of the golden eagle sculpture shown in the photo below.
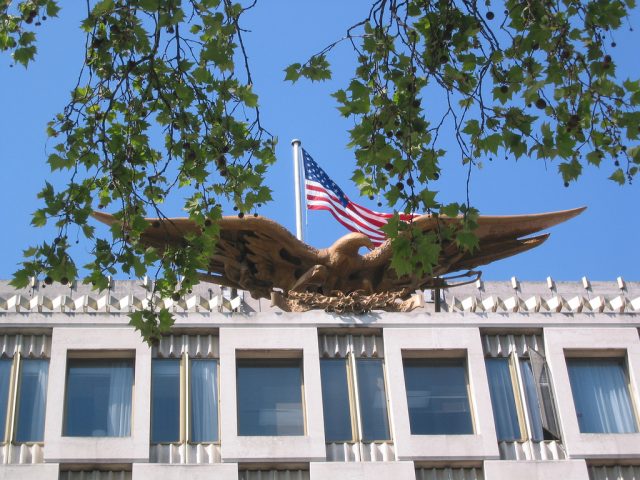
(260, 256)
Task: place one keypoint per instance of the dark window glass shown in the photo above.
(32, 396)
(437, 397)
(269, 397)
(5, 379)
(98, 398)
(505, 413)
(165, 400)
(204, 400)
(373, 399)
(601, 395)
(335, 400)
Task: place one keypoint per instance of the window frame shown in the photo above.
(355, 413)
(608, 355)
(8, 436)
(184, 437)
(434, 357)
(98, 355)
(271, 356)
(516, 362)
(520, 398)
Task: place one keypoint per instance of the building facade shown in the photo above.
(509, 380)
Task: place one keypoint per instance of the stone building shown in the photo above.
(509, 380)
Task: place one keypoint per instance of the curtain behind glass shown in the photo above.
(505, 413)
(98, 398)
(601, 396)
(204, 400)
(32, 396)
(373, 399)
(121, 381)
(533, 402)
(335, 400)
(5, 378)
(165, 400)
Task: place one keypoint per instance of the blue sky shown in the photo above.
(602, 243)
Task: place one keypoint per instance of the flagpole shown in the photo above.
(295, 145)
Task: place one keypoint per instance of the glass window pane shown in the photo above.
(5, 379)
(165, 400)
(437, 397)
(269, 397)
(32, 396)
(204, 400)
(373, 399)
(503, 402)
(601, 395)
(533, 403)
(98, 398)
(335, 400)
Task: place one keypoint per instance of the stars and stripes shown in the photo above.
(322, 193)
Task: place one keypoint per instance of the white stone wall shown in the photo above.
(422, 333)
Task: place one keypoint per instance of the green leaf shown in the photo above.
(451, 210)
(24, 55)
(52, 8)
(292, 72)
(618, 177)
(39, 218)
(595, 157)
(472, 127)
(467, 240)
(570, 170)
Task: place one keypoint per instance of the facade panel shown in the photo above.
(509, 372)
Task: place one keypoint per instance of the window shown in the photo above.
(354, 397)
(98, 398)
(520, 388)
(269, 397)
(23, 389)
(32, 394)
(437, 396)
(165, 400)
(171, 422)
(339, 377)
(600, 389)
(184, 400)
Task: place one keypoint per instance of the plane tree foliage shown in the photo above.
(164, 105)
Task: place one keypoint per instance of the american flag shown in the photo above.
(322, 193)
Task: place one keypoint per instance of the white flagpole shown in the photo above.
(295, 144)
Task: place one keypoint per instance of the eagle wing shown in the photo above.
(253, 253)
(498, 236)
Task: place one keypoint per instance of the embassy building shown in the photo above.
(507, 381)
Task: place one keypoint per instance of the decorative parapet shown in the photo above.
(125, 296)
(114, 303)
(538, 304)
